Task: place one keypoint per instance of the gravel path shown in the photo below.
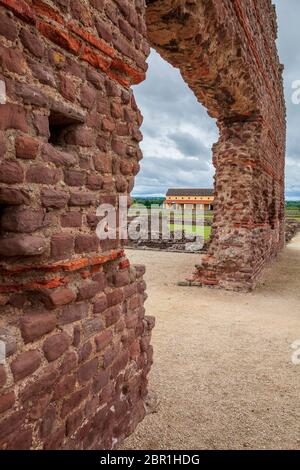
(222, 366)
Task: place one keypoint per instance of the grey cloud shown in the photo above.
(172, 117)
(158, 174)
(188, 144)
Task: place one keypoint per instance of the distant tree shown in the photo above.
(292, 205)
(148, 201)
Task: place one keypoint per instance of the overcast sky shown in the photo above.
(178, 133)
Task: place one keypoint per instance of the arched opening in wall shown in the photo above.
(176, 171)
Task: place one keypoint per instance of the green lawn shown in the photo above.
(193, 230)
(293, 213)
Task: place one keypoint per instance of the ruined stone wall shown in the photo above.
(72, 316)
(226, 52)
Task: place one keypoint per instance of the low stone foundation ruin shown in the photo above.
(77, 341)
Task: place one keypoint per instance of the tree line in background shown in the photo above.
(148, 201)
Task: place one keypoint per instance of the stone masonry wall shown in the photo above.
(72, 307)
(72, 316)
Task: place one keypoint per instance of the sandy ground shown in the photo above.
(222, 366)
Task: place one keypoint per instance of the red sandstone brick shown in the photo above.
(63, 4)
(101, 304)
(132, 320)
(81, 198)
(69, 362)
(94, 182)
(64, 387)
(26, 147)
(100, 380)
(39, 405)
(119, 147)
(42, 384)
(2, 144)
(34, 327)
(11, 172)
(68, 87)
(54, 346)
(2, 376)
(91, 407)
(110, 354)
(112, 315)
(52, 155)
(55, 440)
(83, 137)
(18, 440)
(95, 78)
(74, 421)
(12, 196)
(88, 96)
(11, 423)
(22, 220)
(108, 125)
(74, 400)
(74, 177)
(87, 371)
(85, 352)
(7, 401)
(41, 123)
(103, 340)
(92, 220)
(92, 326)
(48, 422)
(76, 336)
(55, 198)
(61, 297)
(126, 168)
(114, 297)
(13, 116)
(25, 364)
(41, 174)
(71, 219)
(44, 74)
(135, 350)
(100, 419)
(23, 245)
(101, 143)
(122, 278)
(98, 4)
(62, 245)
(12, 60)
(86, 243)
(73, 313)
(88, 289)
(8, 27)
(134, 302)
(32, 42)
(31, 95)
